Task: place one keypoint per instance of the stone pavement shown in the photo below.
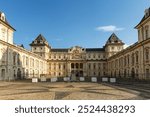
(22, 90)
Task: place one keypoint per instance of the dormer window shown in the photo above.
(147, 12)
(38, 41)
(41, 42)
(2, 17)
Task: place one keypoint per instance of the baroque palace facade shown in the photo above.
(110, 61)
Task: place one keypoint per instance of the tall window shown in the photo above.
(64, 66)
(72, 65)
(59, 66)
(147, 73)
(54, 66)
(147, 54)
(89, 66)
(104, 65)
(99, 65)
(24, 60)
(33, 63)
(146, 32)
(128, 59)
(94, 65)
(137, 57)
(50, 66)
(77, 65)
(27, 60)
(14, 59)
(18, 59)
(81, 65)
(139, 34)
(132, 59)
(125, 61)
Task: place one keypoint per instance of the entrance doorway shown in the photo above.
(19, 74)
(76, 71)
(3, 74)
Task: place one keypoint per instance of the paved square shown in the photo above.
(24, 90)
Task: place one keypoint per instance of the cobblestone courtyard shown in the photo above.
(23, 90)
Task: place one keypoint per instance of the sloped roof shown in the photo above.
(39, 41)
(87, 49)
(113, 39)
(59, 50)
(143, 19)
(6, 21)
(94, 49)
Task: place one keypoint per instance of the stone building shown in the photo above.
(112, 60)
(15, 61)
(134, 61)
(76, 61)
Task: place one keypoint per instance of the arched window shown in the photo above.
(72, 65)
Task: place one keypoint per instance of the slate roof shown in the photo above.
(59, 50)
(143, 19)
(87, 49)
(39, 41)
(94, 49)
(113, 39)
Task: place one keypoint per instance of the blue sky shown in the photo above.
(66, 23)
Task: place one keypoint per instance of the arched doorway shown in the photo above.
(27, 73)
(76, 71)
(14, 74)
(132, 73)
(18, 73)
(3, 74)
(81, 73)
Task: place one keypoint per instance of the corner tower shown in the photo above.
(40, 46)
(113, 45)
(6, 30)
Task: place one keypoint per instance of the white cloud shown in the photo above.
(109, 28)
